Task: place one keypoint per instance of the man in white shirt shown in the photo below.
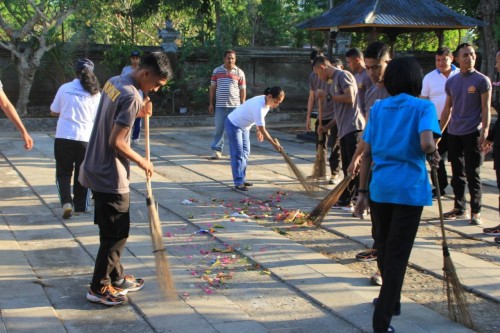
(433, 89)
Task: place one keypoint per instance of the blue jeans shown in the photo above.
(136, 131)
(239, 151)
(220, 117)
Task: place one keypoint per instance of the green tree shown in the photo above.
(29, 29)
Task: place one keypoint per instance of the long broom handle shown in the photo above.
(279, 144)
(440, 207)
(146, 134)
(148, 154)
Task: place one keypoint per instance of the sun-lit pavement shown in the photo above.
(232, 274)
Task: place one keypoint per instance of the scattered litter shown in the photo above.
(205, 231)
(240, 214)
(207, 290)
(280, 231)
(228, 249)
(186, 202)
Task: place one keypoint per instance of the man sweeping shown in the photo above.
(106, 171)
(343, 91)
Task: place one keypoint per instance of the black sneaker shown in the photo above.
(107, 296)
(434, 196)
(128, 283)
(456, 213)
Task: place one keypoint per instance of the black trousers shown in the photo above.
(442, 176)
(496, 166)
(330, 136)
(113, 218)
(466, 159)
(396, 228)
(69, 155)
(348, 145)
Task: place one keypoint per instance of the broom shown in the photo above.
(163, 273)
(457, 302)
(300, 176)
(319, 169)
(319, 212)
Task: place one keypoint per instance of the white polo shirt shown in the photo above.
(253, 111)
(433, 88)
(77, 111)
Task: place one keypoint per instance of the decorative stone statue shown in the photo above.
(168, 35)
(343, 42)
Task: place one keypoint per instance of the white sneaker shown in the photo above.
(362, 215)
(334, 180)
(216, 155)
(135, 142)
(348, 209)
(67, 210)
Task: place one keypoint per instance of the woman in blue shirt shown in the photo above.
(399, 134)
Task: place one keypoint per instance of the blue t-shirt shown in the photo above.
(393, 131)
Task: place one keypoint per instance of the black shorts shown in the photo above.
(112, 214)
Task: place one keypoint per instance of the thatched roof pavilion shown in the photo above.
(391, 17)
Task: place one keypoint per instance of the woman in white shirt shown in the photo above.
(238, 125)
(76, 106)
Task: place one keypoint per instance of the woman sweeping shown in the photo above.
(399, 134)
(238, 125)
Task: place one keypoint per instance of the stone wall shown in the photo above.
(285, 67)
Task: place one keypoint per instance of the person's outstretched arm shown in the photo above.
(11, 113)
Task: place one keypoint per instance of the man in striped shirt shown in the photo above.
(227, 91)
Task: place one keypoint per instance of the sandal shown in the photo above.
(366, 256)
(495, 231)
(241, 188)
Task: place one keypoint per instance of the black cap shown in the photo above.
(84, 63)
(135, 54)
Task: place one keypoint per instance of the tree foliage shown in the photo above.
(212, 25)
(29, 29)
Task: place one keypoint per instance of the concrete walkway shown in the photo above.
(273, 284)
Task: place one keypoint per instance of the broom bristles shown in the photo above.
(296, 171)
(163, 273)
(457, 301)
(319, 168)
(456, 296)
(319, 212)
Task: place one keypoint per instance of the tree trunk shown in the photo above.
(25, 83)
(26, 66)
(487, 10)
(28, 45)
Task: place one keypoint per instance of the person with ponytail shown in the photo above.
(238, 125)
(76, 105)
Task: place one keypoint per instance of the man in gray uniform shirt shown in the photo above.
(106, 171)
(356, 63)
(466, 114)
(377, 57)
(350, 122)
